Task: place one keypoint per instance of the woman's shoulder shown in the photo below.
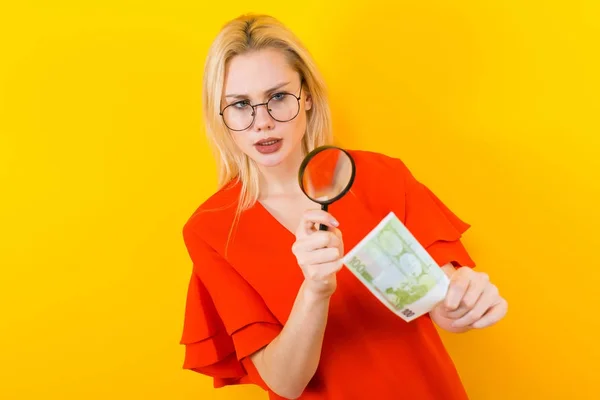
(372, 161)
(217, 210)
(374, 168)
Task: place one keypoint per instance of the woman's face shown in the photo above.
(260, 77)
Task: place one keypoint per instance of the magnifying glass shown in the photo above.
(326, 175)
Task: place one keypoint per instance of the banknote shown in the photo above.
(394, 266)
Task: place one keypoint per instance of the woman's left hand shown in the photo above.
(472, 302)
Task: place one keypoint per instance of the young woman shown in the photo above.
(269, 301)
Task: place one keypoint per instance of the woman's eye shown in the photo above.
(241, 104)
(278, 96)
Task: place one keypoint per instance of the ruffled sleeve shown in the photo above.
(432, 223)
(436, 227)
(225, 319)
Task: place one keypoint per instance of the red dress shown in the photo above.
(237, 302)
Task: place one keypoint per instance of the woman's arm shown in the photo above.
(289, 362)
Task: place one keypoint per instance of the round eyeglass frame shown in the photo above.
(266, 104)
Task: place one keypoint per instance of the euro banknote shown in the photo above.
(396, 268)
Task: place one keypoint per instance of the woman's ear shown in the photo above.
(308, 102)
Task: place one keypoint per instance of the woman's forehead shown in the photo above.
(257, 72)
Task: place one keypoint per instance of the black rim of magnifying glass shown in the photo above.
(309, 157)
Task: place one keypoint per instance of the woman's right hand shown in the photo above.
(319, 253)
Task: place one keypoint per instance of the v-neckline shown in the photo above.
(276, 221)
(263, 209)
(337, 209)
(354, 216)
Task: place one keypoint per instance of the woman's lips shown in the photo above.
(268, 146)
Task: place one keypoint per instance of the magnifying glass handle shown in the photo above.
(321, 226)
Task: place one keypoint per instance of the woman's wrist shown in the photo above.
(314, 296)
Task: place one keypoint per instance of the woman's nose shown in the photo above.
(262, 118)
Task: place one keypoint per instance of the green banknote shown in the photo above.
(394, 266)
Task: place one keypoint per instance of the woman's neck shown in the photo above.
(282, 179)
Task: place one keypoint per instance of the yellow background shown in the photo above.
(493, 104)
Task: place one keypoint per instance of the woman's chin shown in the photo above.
(269, 160)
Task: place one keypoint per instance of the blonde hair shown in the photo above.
(241, 35)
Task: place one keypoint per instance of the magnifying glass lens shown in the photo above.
(326, 175)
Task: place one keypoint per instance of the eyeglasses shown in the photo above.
(282, 107)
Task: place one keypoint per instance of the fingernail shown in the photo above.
(334, 223)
